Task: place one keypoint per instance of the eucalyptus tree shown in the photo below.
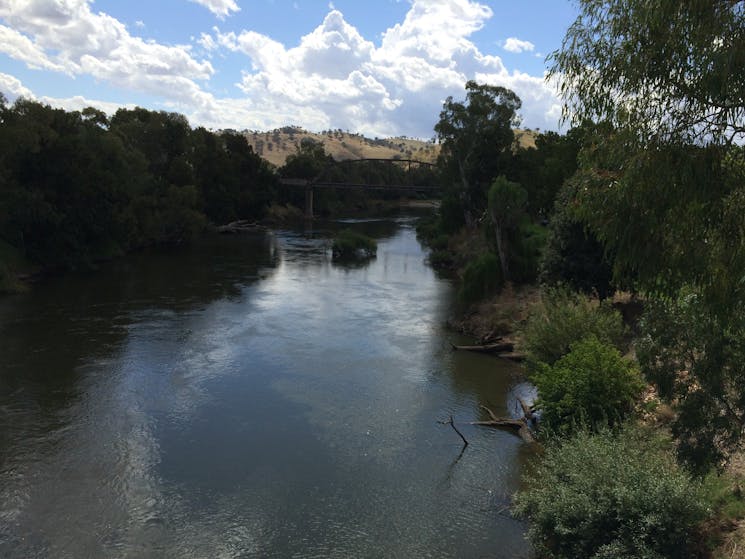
(662, 185)
(474, 134)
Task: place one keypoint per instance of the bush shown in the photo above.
(591, 386)
(607, 496)
(562, 318)
(481, 278)
(351, 244)
(573, 256)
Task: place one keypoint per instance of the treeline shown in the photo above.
(499, 197)
(77, 187)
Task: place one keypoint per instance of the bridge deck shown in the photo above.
(303, 183)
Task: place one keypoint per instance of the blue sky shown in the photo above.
(381, 67)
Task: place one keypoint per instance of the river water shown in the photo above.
(247, 397)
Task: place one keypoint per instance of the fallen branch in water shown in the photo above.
(519, 425)
(452, 424)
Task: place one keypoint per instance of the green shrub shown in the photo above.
(481, 278)
(351, 244)
(611, 496)
(562, 318)
(592, 385)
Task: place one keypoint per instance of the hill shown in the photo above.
(276, 145)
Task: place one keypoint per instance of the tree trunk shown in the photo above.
(501, 248)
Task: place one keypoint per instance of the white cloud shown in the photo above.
(333, 78)
(20, 47)
(396, 88)
(67, 36)
(12, 87)
(221, 8)
(513, 44)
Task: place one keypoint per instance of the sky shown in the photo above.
(379, 67)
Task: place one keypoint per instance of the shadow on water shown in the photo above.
(49, 332)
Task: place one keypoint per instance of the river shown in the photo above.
(247, 397)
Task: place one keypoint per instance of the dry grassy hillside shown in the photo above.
(276, 145)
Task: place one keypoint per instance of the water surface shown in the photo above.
(247, 397)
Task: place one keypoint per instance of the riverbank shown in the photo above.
(500, 316)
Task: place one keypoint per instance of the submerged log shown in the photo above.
(499, 347)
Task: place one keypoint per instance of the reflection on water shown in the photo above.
(247, 397)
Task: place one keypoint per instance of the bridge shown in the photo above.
(393, 175)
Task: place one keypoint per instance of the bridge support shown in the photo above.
(308, 202)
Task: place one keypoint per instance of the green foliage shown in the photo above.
(664, 69)
(481, 278)
(474, 135)
(76, 188)
(562, 318)
(612, 496)
(349, 244)
(507, 201)
(662, 186)
(451, 213)
(573, 256)
(308, 162)
(662, 179)
(527, 248)
(592, 385)
(696, 358)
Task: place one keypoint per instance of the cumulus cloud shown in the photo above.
(67, 36)
(221, 8)
(332, 78)
(513, 44)
(396, 88)
(20, 47)
(12, 88)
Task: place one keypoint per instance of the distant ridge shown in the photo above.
(276, 145)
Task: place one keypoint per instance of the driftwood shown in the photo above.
(241, 226)
(499, 347)
(519, 425)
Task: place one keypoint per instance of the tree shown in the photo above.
(507, 201)
(663, 171)
(662, 186)
(671, 71)
(308, 162)
(473, 135)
